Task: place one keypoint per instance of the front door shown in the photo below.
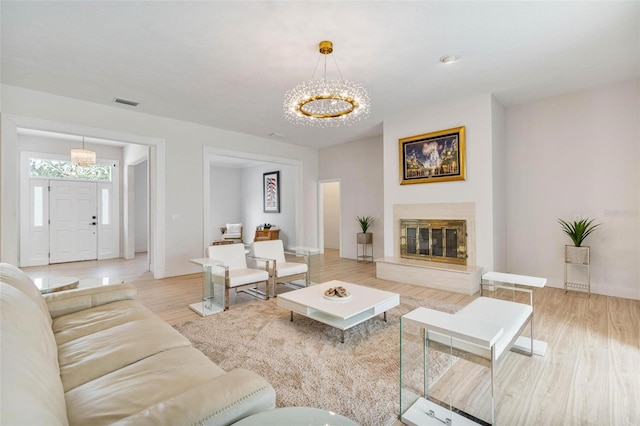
(73, 229)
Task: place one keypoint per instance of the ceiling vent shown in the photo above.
(126, 102)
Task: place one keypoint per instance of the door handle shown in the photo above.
(94, 217)
(94, 223)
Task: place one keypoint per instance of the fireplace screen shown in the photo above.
(438, 240)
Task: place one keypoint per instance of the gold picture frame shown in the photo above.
(433, 157)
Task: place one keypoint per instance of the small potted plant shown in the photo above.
(365, 223)
(578, 230)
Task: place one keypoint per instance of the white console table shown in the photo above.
(490, 279)
(487, 327)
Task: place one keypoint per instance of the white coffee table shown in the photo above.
(363, 304)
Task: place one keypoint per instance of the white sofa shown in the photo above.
(96, 356)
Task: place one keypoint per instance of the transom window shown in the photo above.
(59, 169)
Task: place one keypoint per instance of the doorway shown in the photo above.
(67, 221)
(330, 217)
(12, 126)
(246, 204)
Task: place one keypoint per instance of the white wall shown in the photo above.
(358, 165)
(476, 115)
(183, 143)
(226, 200)
(253, 208)
(331, 214)
(576, 154)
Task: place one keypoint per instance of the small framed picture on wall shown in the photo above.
(271, 192)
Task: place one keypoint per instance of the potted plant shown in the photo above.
(365, 223)
(578, 230)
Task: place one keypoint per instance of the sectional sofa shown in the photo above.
(96, 356)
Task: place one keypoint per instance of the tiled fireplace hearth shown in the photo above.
(434, 247)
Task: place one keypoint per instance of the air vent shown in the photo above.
(126, 102)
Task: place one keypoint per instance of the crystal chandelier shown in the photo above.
(326, 103)
(83, 157)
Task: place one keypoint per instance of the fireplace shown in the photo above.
(434, 239)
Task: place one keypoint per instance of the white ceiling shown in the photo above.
(228, 64)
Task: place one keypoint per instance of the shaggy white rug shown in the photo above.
(306, 363)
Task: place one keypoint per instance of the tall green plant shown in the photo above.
(365, 222)
(578, 230)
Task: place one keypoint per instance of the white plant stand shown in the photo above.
(364, 241)
(577, 258)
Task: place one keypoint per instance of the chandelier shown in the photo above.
(326, 103)
(83, 157)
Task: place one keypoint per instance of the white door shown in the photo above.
(74, 219)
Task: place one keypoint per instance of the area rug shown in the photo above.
(306, 363)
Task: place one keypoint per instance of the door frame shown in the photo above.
(23, 195)
(210, 151)
(10, 193)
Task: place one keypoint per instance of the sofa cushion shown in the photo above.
(27, 321)
(73, 326)
(92, 356)
(67, 302)
(13, 276)
(32, 392)
(151, 380)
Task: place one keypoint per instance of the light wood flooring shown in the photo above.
(590, 374)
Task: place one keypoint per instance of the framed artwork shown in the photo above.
(271, 192)
(433, 157)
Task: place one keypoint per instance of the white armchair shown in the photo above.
(233, 232)
(236, 271)
(280, 268)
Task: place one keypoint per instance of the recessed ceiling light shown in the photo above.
(448, 59)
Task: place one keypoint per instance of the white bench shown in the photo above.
(486, 327)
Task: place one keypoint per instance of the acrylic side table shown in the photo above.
(212, 288)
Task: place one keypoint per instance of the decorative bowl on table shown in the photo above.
(338, 294)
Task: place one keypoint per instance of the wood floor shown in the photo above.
(590, 374)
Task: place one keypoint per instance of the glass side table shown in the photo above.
(306, 252)
(54, 284)
(213, 287)
(431, 343)
(296, 416)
